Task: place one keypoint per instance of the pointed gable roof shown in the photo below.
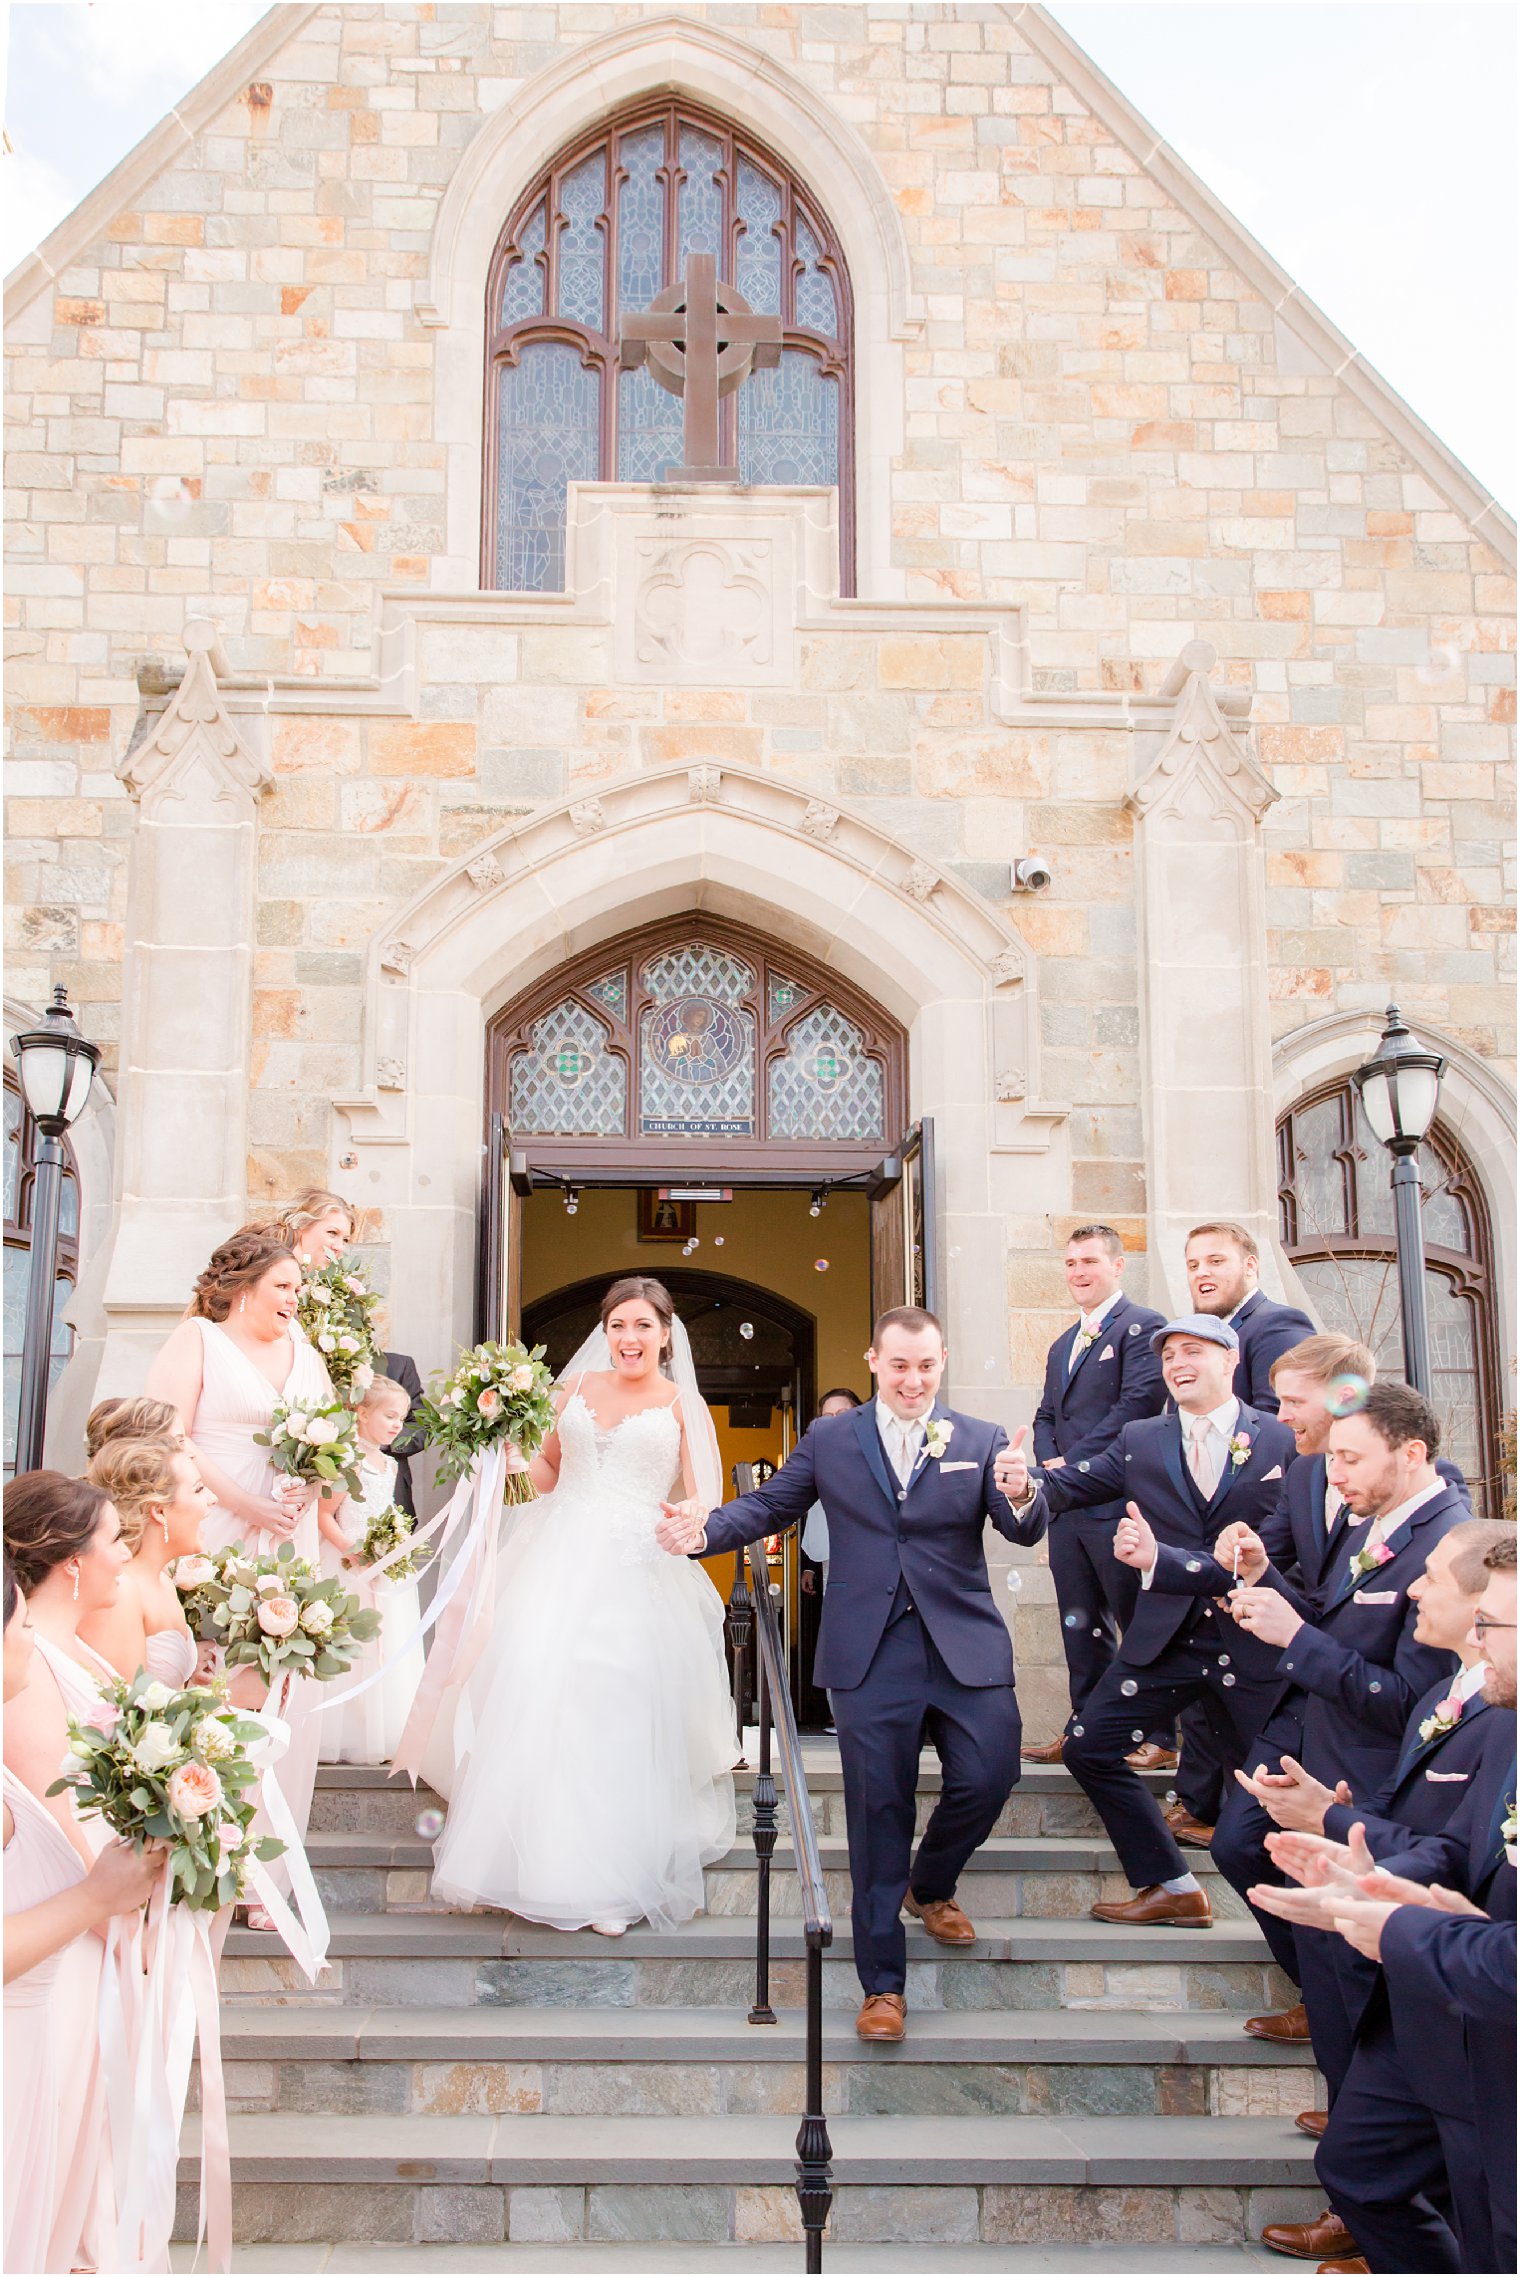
(1327, 348)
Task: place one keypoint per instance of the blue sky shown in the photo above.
(1369, 145)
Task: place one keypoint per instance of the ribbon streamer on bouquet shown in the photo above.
(302, 1922)
(462, 1605)
(457, 1504)
(148, 2039)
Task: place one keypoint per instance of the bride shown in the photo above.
(598, 1783)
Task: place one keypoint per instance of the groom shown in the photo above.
(911, 1641)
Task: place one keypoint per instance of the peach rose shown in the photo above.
(193, 1572)
(193, 1790)
(489, 1401)
(279, 1616)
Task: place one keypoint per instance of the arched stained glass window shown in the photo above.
(729, 1052)
(607, 226)
(1335, 1207)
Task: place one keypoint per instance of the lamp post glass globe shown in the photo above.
(57, 1066)
(1400, 1088)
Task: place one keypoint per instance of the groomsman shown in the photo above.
(1182, 1475)
(1353, 1669)
(1099, 1375)
(1426, 2117)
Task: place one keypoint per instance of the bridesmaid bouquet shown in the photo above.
(317, 1444)
(168, 1766)
(337, 1309)
(497, 1392)
(386, 1532)
(275, 1613)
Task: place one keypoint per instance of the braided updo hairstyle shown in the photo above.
(129, 1419)
(48, 1520)
(135, 1474)
(238, 1266)
(306, 1209)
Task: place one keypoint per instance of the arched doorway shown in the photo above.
(755, 1353)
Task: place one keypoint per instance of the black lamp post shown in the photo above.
(57, 1066)
(1400, 1086)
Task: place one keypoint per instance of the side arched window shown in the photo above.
(1336, 1220)
(20, 1184)
(607, 226)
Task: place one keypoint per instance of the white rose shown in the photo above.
(316, 1618)
(319, 1295)
(295, 1426)
(268, 1583)
(521, 1379)
(321, 1431)
(73, 1766)
(193, 1572)
(327, 1342)
(155, 1696)
(212, 1741)
(364, 1376)
(156, 1746)
(348, 1343)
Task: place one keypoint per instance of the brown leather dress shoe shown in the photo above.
(1312, 2124)
(1355, 2267)
(1150, 1757)
(1327, 2234)
(1183, 1827)
(1179, 1909)
(1290, 2024)
(1051, 1752)
(943, 1919)
(883, 2016)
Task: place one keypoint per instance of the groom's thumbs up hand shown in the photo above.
(1010, 1468)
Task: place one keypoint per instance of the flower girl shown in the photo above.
(367, 1730)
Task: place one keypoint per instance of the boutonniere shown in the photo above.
(1086, 1339)
(937, 1436)
(1444, 1717)
(1367, 1561)
(1240, 1450)
(1509, 1834)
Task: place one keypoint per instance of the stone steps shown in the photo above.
(465, 2079)
(547, 2179)
(664, 2259)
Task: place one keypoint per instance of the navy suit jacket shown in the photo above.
(1146, 1465)
(1454, 2018)
(410, 1439)
(1266, 1330)
(1117, 1381)
(1294, 1536)
(927, 1535)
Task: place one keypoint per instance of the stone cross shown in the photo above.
(701, 339)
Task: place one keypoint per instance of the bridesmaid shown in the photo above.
(64, 1542)
(161, 1499)
(131, 1419)
(223, 1370)
(51, 1899)
(316, 1226)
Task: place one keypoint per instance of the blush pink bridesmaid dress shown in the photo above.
(46, 2198)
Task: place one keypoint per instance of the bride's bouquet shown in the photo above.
(497, 1392)
(337, 1309)
(387, 1531)
(168, 1766)
(317, 1444)
(275, 1613)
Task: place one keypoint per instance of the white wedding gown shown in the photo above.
(599, 1781)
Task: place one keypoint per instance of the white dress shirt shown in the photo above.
(1392, 1519)
(1221, 1422)
(1089, 1325)
(902, 1439)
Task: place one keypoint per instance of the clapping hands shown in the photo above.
(1343, 1888)
(682, 1528)
(1291, 1797)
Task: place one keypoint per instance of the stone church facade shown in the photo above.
(1125, 561)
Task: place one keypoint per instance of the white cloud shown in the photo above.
(36, 198)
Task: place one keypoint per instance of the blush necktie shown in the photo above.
(1200, 1455)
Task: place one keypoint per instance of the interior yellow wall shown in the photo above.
(768, 1238)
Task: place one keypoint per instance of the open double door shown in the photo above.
(906, 1266)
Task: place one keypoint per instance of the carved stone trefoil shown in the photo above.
(485, 873)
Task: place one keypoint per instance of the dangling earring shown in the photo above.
(242, 1304)
(74, 1570)
(163, 1519)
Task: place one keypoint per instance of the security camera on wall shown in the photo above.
(1030, 874)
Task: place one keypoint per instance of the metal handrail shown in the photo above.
(815, 2182)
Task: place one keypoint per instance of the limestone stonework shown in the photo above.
(1096, 431)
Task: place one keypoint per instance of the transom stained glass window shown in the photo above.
(601, 232)
(695, 1039)
(1336, 1219)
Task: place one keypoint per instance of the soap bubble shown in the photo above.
(1137, 1736)
(1071, 1620)
(1076, 1731)
(1226, 1679)
(429, 1825)
(718, 1240)
(170, 499)
(1346, 1395)
(1015, 1578)
(746, 1329)
(1129, 1688)
(820, 1264)
(1097, 1632)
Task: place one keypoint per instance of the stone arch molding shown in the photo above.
(690, 57)
(736, 843)
(1476, 1105)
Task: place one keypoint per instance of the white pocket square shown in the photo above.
(1274, 1472)
(1449, 1776)
(960, 1467)
(1376, 1597)
(1107, 1355)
